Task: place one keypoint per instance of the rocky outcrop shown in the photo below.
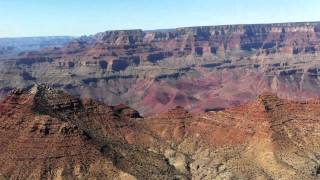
(49, 134)
(260, 139)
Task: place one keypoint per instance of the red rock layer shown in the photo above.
(40, 139)
(46, 133)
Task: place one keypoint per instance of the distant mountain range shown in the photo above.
(14, 46)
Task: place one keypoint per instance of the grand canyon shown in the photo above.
(209, 102)
(199, 68)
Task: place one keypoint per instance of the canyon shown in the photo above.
(199, 68)
(49, 134)
(210, 102)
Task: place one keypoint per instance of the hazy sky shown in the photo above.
(79, 17)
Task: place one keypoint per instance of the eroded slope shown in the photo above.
(47, 133)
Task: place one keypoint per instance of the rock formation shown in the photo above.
(49, 134)
(198, 68)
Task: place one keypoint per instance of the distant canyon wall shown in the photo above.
(199, 68)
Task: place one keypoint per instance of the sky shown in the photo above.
(24, 18)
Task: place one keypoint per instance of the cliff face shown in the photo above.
(199, 68)
(48, 134)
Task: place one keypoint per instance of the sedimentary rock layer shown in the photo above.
(199, 68)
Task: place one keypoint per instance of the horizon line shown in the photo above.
(160, 29)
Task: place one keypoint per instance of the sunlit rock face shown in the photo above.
(198, 68)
